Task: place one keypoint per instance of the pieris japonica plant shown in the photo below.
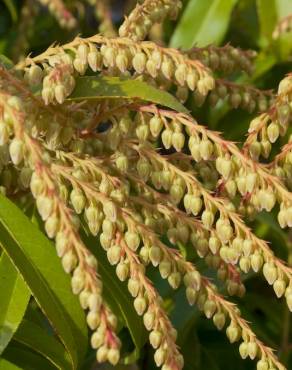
(107, 151)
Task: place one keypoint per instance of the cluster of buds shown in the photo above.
(240, 96)
(225, 59)
(265, 129)
(59, 82)
(124, 55)
(139, 22)
(58, 9)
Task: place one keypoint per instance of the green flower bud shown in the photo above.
(133, 287)
(155, 338)
(181, 74)
(110, 211)
(207, 218)
(114, 254)
(94, 60)
(192, 79)
(77, 283)
(122, 271)
(243, 350)
(155, 255)
(140, 305)
(176, 193)
(113, 356)
(61, 243)
(52, 226)
(263, 365)
(142, 132)
(206, 149)
(156, 125)
(219, 320)
(132, 239)
(149, 319)
(165, 268)
(159, 356)
(48, 95)
(101, 354)
(94, 302)
(167, 67)
(192, 295)
(233, 333)
(270, 272)
(83, 299)
(60, 93)
(45, 206)
(252, 350)
(174, 280)
(69, 261)
(279, 287)
(178, 141)
(108, 228)
(210, 308)
(122, 163)
(256, 262)
(244, 264)
(166, 138)
(105, 241)
(78, 200)
(139, 62)
(122, 61)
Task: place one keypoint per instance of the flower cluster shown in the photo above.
(144, 180)
(139, 22)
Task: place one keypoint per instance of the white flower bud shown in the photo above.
(110, 211)
(156, 125)
(252, 350)
(94, 60)
(139, 62)
(114, 254)
(16, 151)
(97, 339)
(101, 354)
(159, 356)
(155, 338)
(69, 261)
(256, 261)
(270, 272)
(210, 308)
(132, 239)
(149, 319)
(206, 149)
(93, 320)
(61, 243)
(219, 320)
(243, 350)
(52, 226)
(133, 287)
(45, 206)
(122, 271)
(34, 75)
(166, 138)
(78, 200)
(233, 333)
(181, 74)
(113, 356)
(174, 280)
(192, 295)
(155, 255)
(178, 141)
(140, 305)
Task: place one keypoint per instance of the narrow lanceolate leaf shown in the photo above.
(36, 338)
(7, 365)
(13, 302)
(203, 23)
(24, 359)
(93, 87)
(116, 293)
(35, 258)
(267, 14)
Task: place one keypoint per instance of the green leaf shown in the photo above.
(7, 365)
(14, 300)
(92, 87)
(33, 336)
(116, 293)
(267, 13)
(203, 23)
(26, 359)
(36, 260)
(12, 9)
